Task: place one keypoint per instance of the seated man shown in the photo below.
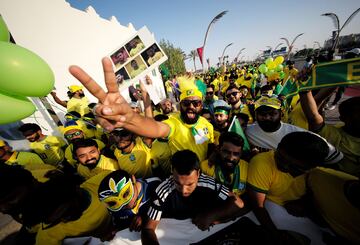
(92, 162)
(227, 167)
(190, 194)
(48, 147)
(279, 175)
(127, 198)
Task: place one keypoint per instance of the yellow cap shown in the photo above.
(188, 87)
(269, 102)
(74, 88)
(2, 143)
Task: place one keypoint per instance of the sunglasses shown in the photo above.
(122, 133)
(233, 94)
(70, 136)
(209, 93)
(195, 103)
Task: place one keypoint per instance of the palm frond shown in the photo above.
(334, 18)
(350, 18)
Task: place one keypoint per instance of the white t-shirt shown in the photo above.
(270, 140)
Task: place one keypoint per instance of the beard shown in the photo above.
(269, 126)
(91, 163)
(189, 116)
(229, 165)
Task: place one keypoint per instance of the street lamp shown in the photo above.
(222, 56)
(237, 56)
(290, 45)
(336, 21)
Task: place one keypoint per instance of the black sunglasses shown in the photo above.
(209, 93)
(195, 103)
(233, 94)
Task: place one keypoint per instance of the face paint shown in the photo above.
(119, 195)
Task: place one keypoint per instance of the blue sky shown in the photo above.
(248, 24)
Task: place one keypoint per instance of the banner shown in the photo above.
(200, 52)
(331, 74)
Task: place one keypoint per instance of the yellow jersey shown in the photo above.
(194, 137)
(347, 144)
(243, 109)
(161, 156)
(78, 105)
(24, 158)
(104, 163)
(50, 149)
(279, 187)
(95, 220)
(138, 161)
(328, 193)
(155, 58)
(238, 188)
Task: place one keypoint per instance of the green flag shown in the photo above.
(236, 128)
(335, 73)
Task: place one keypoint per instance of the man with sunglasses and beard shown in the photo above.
(233, 97)
(186, 130)
(92, 162)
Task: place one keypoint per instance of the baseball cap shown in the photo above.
(74, 88)
(269, 102)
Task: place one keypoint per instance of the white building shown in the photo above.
(64, 36)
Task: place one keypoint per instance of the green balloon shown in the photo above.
(23, 72)
(14, 108)
(263, 69)
(279, 68)
(268, 61)
(4, 31)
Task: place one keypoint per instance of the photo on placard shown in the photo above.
(152, 54)
(121, 76)
(135, 67)
(134, 46)
(119, 57)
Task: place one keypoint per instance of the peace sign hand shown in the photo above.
(112, 110)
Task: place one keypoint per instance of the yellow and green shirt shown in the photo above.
(78, 105)
(161, 155)
(182, 136)
(24, 158)
(238, 188)
(138, 161)
(49, 149)
(279, 187)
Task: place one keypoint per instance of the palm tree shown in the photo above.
(336, 21)
(213, 21)
(290, 45)
(193, 54)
